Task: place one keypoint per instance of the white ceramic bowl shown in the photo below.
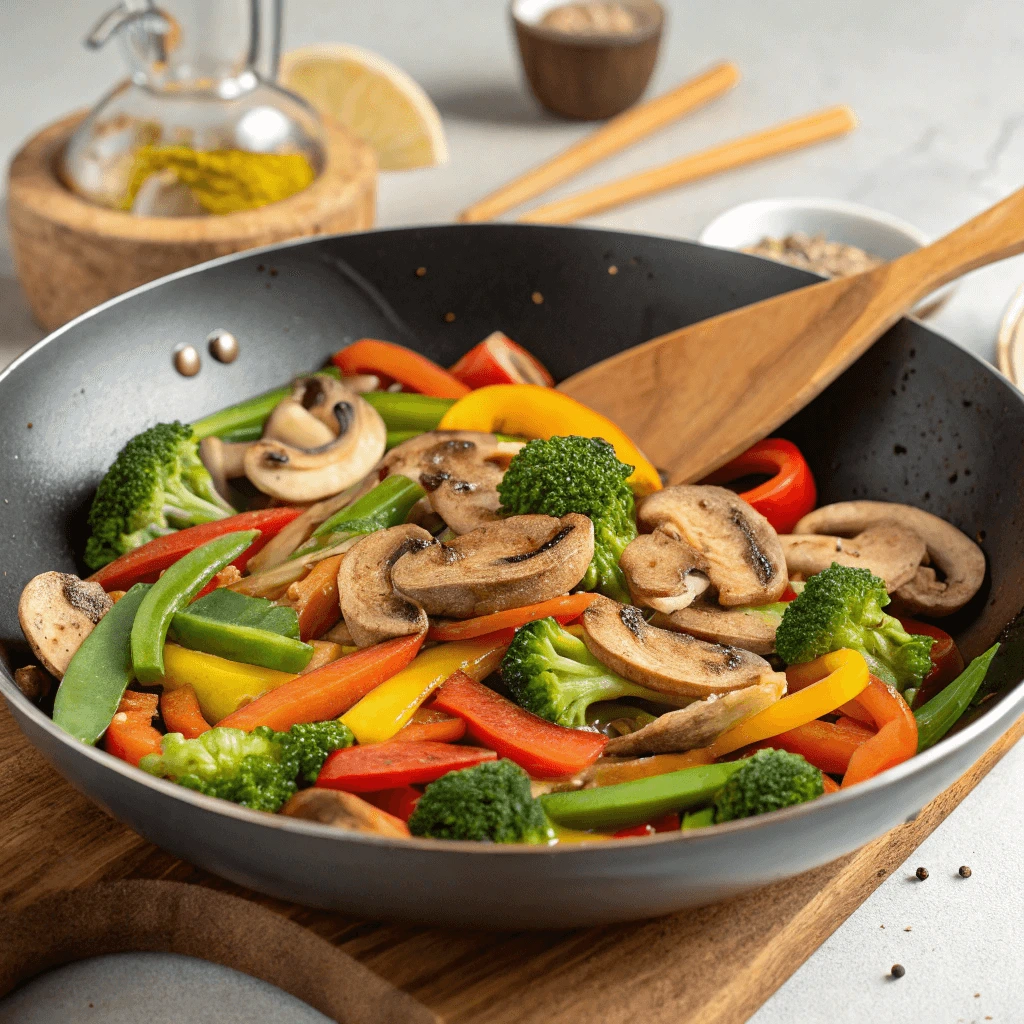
(874, 231)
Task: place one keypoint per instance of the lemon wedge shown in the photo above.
(376, 101)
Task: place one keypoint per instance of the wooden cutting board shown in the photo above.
(713, 966)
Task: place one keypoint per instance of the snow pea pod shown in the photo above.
(175, 588)
(942, 712)
(99, 672)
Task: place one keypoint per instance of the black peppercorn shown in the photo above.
(898, 970)
(921, 873)
(965, 871)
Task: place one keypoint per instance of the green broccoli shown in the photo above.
(258, 769)
(767, 781)
(490, 802)
(157, 485)
(551, 673)
(583, 475)
(842, 607)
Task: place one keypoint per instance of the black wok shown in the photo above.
(917, 420)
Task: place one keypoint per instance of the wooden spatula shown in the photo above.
(695, 398)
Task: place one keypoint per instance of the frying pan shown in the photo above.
(916, 420)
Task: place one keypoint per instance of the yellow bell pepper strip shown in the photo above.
(386, 709)
(222, 686)
(533, 411)
(845, 675)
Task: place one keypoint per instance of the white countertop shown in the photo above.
(936, 84)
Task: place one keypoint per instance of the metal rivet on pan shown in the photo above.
(223, 346)
(186, 360)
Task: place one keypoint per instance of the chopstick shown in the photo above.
(781, 138)
(617, 134)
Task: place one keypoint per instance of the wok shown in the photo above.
(916, 420)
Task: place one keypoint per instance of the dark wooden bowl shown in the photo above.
(587, 76)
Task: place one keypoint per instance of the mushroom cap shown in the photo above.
(303, 474)
(745, 562)
(734, 628)
(886, 549)
(343, 810)
(957, 556)
(699, 724)
(372, 610)
(672, 663)
(507, 564)
(57, 611)
(662, 573)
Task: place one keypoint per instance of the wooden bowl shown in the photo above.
(72, 255)
(587, 76)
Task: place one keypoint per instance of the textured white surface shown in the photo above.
(936, 84)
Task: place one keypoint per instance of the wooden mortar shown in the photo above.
(72, 255)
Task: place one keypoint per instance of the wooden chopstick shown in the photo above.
(618, 133)
(782, 138)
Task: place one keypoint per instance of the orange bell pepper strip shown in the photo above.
(180, 712)
(413, 371)
(896, 739)
(842, 675)
(315, 598)
(432, 724)
(565, 609)
(827, 745)
(530, 410)
(499, 360)
(329, 691)
(830, 785)
(130, 735)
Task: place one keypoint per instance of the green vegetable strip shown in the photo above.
(631, 803)
(178, 585)
(99, 672)
(397, 437)
(698, 819)
(246, 644)
(402, 410)
(942, 712)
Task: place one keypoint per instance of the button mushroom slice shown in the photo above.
(753, 631)
(744, 558)
(300, 474)
(961, 561)
(224, 461)
(57, 612)
(662, 573)
(886, 549)
(344, 810)
(699, 724)
(672, 663)
(507, 564)
(371, 608)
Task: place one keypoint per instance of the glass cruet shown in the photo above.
(193, 81)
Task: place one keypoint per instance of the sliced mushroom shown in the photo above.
(33, 682)
(57, 612)
(344, 810)
(961, 561)
(699, 724)
(753, 631)
(300, 473)
(369, 605)
(887, 549)
(744, 558)
(507, 564)
(662, 573)
(671, 663)
(292, 423)
(224, 460)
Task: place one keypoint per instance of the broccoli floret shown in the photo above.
(157, 484)
(767, 781)
(258, 769)
(842, 607)
(550, 672)
(583, 475)
(490, 802)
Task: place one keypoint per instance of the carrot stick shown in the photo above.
(180, 710)
(564, 609)
(315, 598)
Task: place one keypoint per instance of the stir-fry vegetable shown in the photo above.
(181, 712)
(942, 712)
(499, 360)
(561, 609)
(131, 735)
(410, 369)
(896, 739)
(767, 781)
(374, 766)
(409, 413)
(827, 745)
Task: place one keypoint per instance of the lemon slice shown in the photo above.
(375, 100)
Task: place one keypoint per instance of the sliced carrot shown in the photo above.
(830, 784)
(389, 765)
(431, 724)
(315, 598)
(564, 609)
(180, 711)
(130, 735)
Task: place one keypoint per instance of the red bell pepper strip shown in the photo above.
(544, 750)
(180, 711)
(499, 360)
(896, 739)
(130, 735)
(666, 823)
(410, 369)
(947, 661)
(144, 565)
(790, 493)
(428, 723)
(565, 609)
(329, 691)
(827, 745)
(400, 802)
(388, 765)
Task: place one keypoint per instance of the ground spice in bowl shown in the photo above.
(833, 259)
